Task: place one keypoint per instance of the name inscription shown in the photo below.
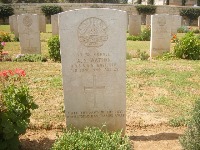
(86, 62)
(95, 114)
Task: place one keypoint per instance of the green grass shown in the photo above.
(166, 88)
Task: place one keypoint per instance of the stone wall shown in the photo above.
(35, 8)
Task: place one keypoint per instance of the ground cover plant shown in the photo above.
(160, 89)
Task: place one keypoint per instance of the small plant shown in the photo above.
(6, 11)
(129, 56)
(174, 39)
(142, 55)
(190, 140)
(5, 37)
(183, 29)
(167, 56)
(146, 9)
(17, 105)
(49, 10)
(188, 47)
(54, 48)
(144, 36)
(91, 139)
(30, 58)
(177, 122)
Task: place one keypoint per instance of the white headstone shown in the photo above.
(29, 34)
(54, 23)
(160, 34)
(42, 23)
(11, 23)
(199, 22)
(15, 26)
(93, 51)
(134, 24)
(175, 23)
(148, 20)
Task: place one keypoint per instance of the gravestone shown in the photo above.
(148, 20)
(199, 22)
(54, 23)
(11, 23)
(29, 34)
(175, 23)
(160, 34)
(93, 54)
(134, 25)
(42, 23)
(15, 25)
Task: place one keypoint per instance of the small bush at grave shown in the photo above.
(191, 13)
(183, 29)
(142, 55)
(49, 10)
(6, 11)
(144, 36)
(91, 139)
(5, 37)
(146, 9)
(30, 58)
(167, 56)
(15, 112)
(188, 47)
(54, 48)
(191, 139)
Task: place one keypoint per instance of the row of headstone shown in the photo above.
(135, 24)
(27, 28)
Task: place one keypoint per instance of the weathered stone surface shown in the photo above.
(160, 34)
(15, 25)
(148, 20)
(134, 24)
(54, 23)
(175, 23)
(42, 23)
(29, 34)
(93, 54)
(11, 23)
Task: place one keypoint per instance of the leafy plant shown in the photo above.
(91, 139)
(49, 10)
(188, 47)
(54, 48)
(167, 56)
(144, 36)
(30, 58)
(17, 105)
(190, 140)
(6, 11)
(191, 13)
(183, 29)
(5, 37)
(142, 55)
(146, 9)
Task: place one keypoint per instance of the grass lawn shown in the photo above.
(162, 88)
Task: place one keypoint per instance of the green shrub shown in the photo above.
(146, 9)
(191, 13)
(167, 56)
(188, 47)
(190, 140)
(30, 58)
(142, 55)
(91, 139)
(144, 36)
(5, 37)
(14, 118)
(183, 29)
(6, 11)
(49, 10)
(54, 48)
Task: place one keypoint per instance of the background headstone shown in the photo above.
(11, 23)
(134, 24)
(42, 23)
(15, 25)
(29, 34)
(175, 23)
(54, 23)
(199, 22)
(148, 20)
(93, 54)
(160, 34)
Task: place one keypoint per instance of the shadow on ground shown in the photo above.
(156, 137)
(43, 144)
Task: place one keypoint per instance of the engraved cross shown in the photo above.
(94, 87)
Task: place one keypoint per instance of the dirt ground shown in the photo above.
(146, 132)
